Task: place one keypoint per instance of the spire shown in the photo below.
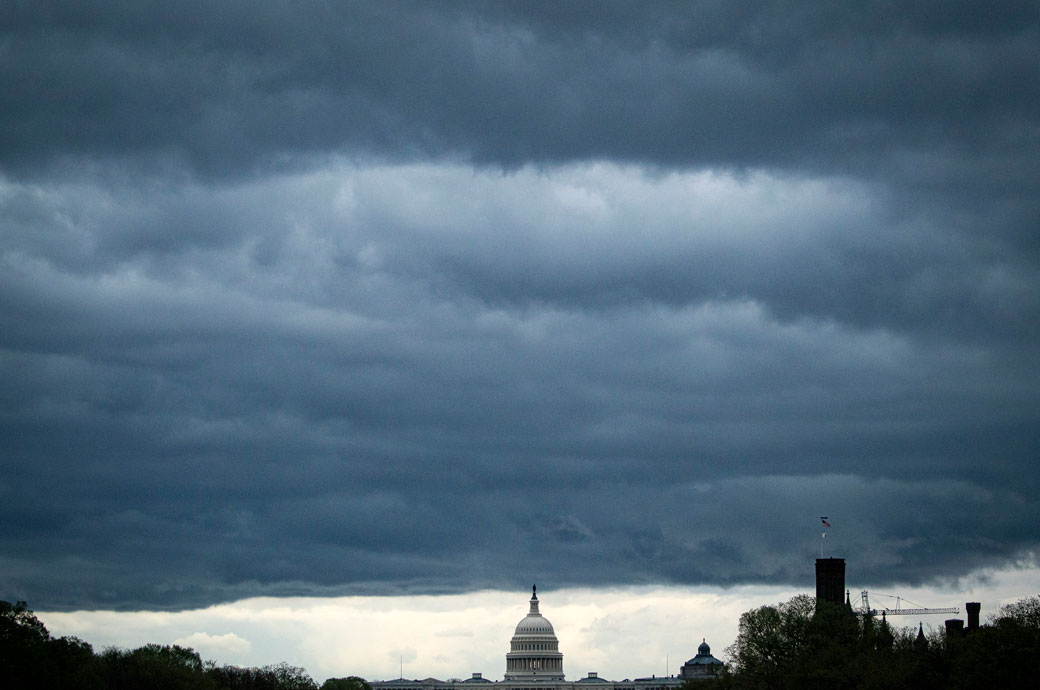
(921, 642)
(534, 602)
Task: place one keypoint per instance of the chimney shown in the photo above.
(830, 580)
(973, 608)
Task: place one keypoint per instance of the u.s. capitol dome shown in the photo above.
(534, 651)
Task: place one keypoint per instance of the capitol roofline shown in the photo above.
(535, 662)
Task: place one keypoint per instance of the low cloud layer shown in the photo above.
(423, 298)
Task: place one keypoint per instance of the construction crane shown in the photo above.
(899, 610)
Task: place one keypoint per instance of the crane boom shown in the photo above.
(900, 611)
(915, 612)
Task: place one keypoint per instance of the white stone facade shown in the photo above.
(534, 652)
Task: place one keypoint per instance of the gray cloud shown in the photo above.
(783, 83)
(401, 297)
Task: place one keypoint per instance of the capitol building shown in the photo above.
(535, 662)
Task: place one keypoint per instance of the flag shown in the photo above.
(825, 523)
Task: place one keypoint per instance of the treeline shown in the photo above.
(802, 645)
(31, 659)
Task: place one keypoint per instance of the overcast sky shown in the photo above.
(388, 298)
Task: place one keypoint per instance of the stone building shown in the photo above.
(535, 662)
(534, 652)
(704, 665)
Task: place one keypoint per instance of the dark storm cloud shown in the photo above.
(423, 297)
(708, 83)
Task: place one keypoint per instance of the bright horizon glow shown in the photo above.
(619, 632)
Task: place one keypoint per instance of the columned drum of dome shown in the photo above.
(534, 651)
